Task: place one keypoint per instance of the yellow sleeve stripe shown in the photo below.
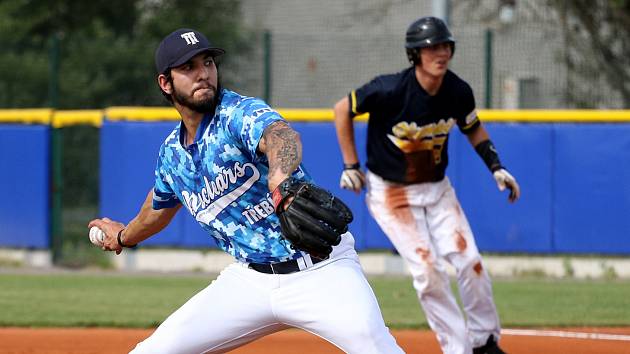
(470, 124)
(353, 101)
(470, 119)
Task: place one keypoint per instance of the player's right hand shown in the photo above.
(352, 178)
(505, 180)
(110, 228)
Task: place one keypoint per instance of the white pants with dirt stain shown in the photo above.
(331, 299)
(426, 224)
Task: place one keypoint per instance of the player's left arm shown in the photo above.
(480, 140)
(283, 148)
(478, 136)
(311, 218)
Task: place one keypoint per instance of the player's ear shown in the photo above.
(165, 84)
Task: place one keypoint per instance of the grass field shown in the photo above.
(115, 300)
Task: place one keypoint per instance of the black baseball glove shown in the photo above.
(311, 218)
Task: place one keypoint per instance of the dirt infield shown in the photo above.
(110, 341)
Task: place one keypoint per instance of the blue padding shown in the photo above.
(592, 188)
(573, 177)
(129, 153)
(25, 181)
(499, 226)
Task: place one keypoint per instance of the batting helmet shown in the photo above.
(426, 32)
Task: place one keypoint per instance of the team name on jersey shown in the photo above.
(257, 212)
(409, 137)
(212, 199)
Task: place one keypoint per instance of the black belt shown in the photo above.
(287, 267)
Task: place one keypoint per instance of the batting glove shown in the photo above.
(352, 178)
(506, 180)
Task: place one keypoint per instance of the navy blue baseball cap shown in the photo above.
(181, 45)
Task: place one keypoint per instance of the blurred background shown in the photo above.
(515, 53)
(546, 55)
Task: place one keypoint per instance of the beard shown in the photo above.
(203, 105)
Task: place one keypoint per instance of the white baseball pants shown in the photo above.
(332, 300)
(426, 224)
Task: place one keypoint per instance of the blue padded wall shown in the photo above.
(25, 181)
(573, 177)
(574, 181)
(498, 225)
(592, 188)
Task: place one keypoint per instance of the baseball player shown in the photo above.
(234, 164)
(411, 114)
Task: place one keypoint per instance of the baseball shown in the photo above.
(97, 236)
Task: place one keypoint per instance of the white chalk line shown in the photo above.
(564, 334)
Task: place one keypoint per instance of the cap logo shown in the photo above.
(190, 38)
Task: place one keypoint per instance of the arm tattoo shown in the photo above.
(282, 147)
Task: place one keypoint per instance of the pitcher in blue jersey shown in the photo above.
(221, 162)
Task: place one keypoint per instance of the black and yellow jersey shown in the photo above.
(407, 139)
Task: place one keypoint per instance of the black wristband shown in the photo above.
(120, 243)
(351, 166)
(489, 155)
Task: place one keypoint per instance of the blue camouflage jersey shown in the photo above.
(222, 180)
